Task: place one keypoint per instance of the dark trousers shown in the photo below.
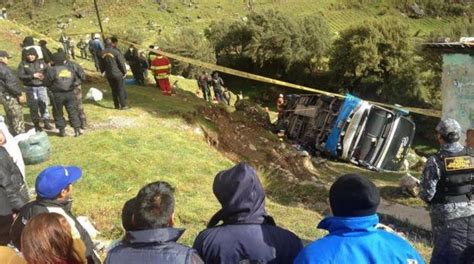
(218, 94)
(83, 53)
(118, 92)
(68, 100)
(138, 74)
(5, 224)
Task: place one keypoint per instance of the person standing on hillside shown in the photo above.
(217, 84)
(72, 46)
(133, 60)
(203, 82)
(61, 81)
(47, 53)
(80, 77)
(112, 66)
(31, 73)
(82, 46)
(10, 96)
(162, 69)
(96, 47)
(447, 186)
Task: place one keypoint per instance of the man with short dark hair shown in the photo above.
(353, 236)
(446, 186)
(54, 189)
(112, 65)
(151, 237)
(247, 233)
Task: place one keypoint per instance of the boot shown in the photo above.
(37, 127)
(83, 124)
(77, 132)
(47, 125)
(62, 132)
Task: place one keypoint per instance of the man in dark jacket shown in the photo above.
(54, 189)
(61, 81)
(446, 186)
(46, 52)
(13, 191)
(31, 73)
(28, 43)
(151, 237)
(80, 77)
(247, 233)
(134, 61)
(10, 95)
(112, 65)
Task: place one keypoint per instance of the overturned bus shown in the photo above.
(350, 129)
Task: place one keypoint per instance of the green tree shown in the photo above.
(188, 43)
(376, 59)
(272, 43)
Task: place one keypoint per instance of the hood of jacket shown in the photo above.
(241, 196)
(28, 41)
(344, 225)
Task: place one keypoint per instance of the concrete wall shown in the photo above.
(458, 90)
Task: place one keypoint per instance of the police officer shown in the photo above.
(446, 186)
(60, 80)
(10, 96)
(112, 65)
(80, 77)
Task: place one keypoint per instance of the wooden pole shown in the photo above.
(98, 18)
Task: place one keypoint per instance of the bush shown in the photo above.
(272, 43)
(189, 43)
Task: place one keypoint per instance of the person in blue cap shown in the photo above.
(54, 189)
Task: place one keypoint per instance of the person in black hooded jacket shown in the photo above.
(247, 233)
(112, 65)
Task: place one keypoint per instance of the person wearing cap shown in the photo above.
(112, 65)
(10, 96)
(151, 236)
(54, 191)
(31, 73)
(13, 188)
(242, 231)
(446, 186)
(353, 234)
(61, 81)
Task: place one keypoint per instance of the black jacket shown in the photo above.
(112, 63)
(44, 206)
(78, 70)
(8, 82)
(248, 234)
(27, 69)
(13, 189)
(60, 78)
(152, 246)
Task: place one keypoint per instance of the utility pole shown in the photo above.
(98, 18)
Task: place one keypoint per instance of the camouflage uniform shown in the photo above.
(9, 92)
(14, 115)
(441, 213)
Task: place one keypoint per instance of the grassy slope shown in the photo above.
(162, 146)
(124, 14)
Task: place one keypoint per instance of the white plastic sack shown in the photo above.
(94, 94)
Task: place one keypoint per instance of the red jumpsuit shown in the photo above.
(161, 68)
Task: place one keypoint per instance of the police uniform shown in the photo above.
(80, 77)
(447, 182)
(9, 93)
(60, 80)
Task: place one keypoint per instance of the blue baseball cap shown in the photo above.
(52, 180)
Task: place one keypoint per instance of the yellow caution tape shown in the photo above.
(251, 76)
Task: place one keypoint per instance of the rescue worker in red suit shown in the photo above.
(162, 68)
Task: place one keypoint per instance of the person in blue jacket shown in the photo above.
(353, 236)
(247, 233)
